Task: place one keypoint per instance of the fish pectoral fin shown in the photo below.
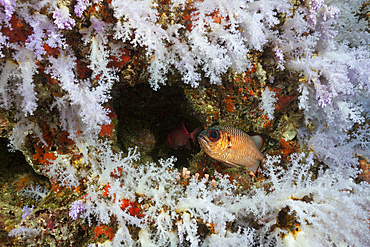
(258, 140)
(255, 167)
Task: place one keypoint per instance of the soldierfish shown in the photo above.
(232, 146)
(179, 136)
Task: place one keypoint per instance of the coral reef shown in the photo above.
(90, 88)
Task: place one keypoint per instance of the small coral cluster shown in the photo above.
(74, 76)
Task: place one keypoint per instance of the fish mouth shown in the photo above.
(202, 140)
(204, 143)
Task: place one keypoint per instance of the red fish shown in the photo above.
(179, 137)
(232, 146)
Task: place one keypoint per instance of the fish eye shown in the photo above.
(213, 135)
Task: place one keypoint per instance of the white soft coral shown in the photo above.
(327, 210)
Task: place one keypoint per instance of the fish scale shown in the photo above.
(234, 147)
(243, 148)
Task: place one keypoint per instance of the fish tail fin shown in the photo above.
(255, 167)
(195, 133)
(187, 144)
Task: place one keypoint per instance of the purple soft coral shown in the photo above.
(76, 209)
(81, 6)
(63, 19)
(27, 211)
(8, 7)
